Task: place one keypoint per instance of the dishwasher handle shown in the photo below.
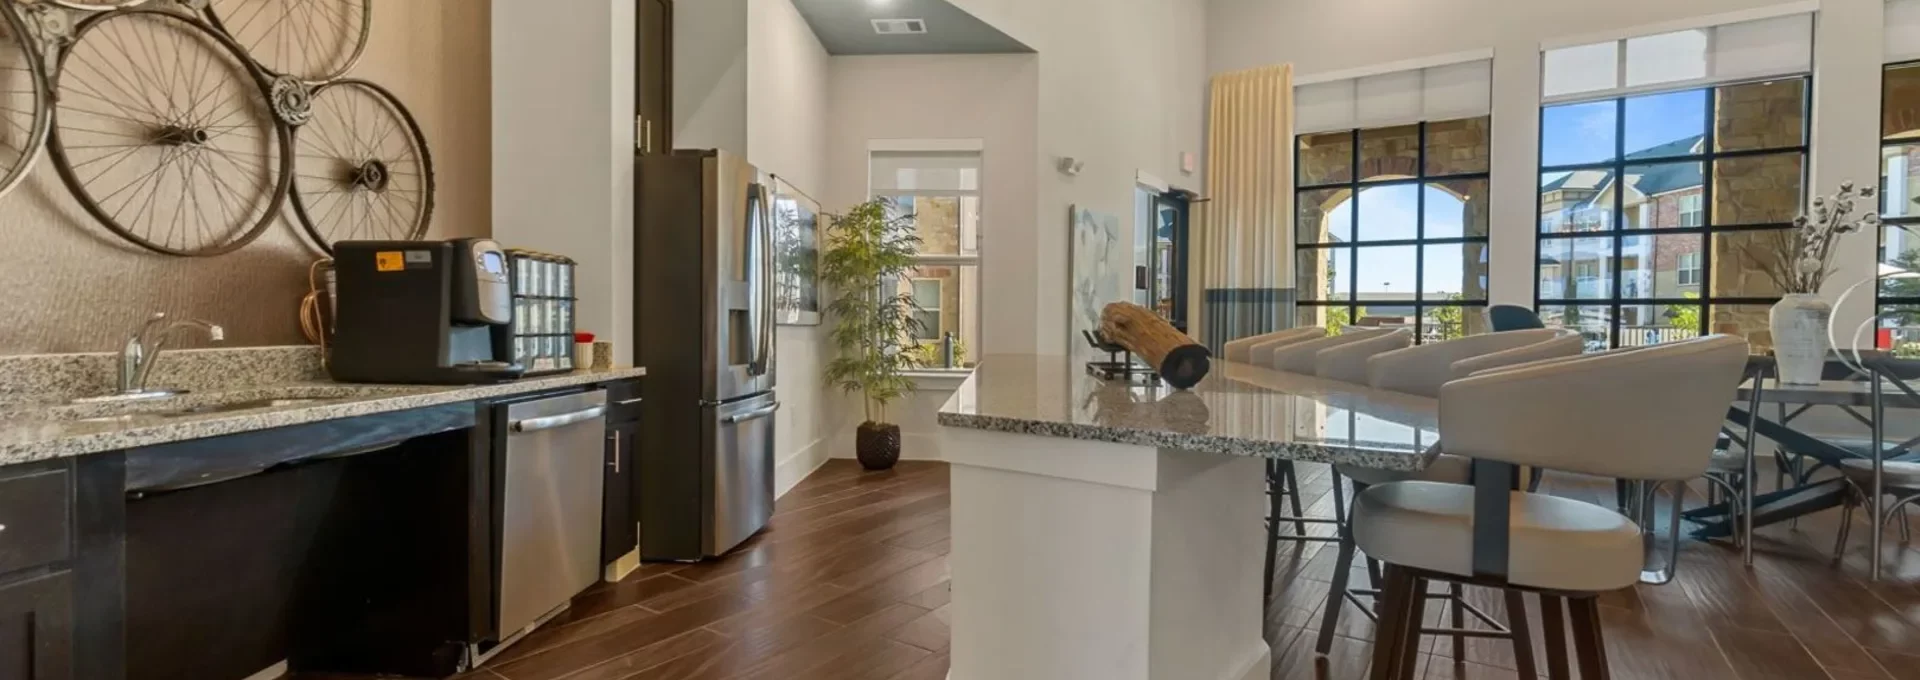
(562, 420)
(756, 413)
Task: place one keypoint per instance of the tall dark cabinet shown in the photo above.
(653, 78)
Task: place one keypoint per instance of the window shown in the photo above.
(941, 191)
(1689, 273)
(927, 296)
(1899, 299)
(1650, 203)
(1693, 57)
(1391, 227)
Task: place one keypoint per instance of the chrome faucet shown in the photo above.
(143, 349)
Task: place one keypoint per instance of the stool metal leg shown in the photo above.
(1522, 639)
(1293, 496)
(1337, 594)
(1459, 618)
(1553, 625)
(1395, 608)
(1879, 483)
(1588, 645)
(1748, 475)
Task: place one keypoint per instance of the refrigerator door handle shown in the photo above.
(753, 414)
(759, 276)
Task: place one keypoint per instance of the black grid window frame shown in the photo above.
(1354, 185)
(1707, 159)
(1911, 223)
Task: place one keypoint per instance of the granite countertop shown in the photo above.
(30, 432)
(1239, 409)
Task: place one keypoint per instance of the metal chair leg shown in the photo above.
(1553, 625)
(1846, 523)
(1588, 644)
(1336, 594)
(1458, 597)
(1522, 639)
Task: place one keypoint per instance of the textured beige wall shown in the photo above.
(69, 285)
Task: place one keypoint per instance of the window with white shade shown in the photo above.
(1665, 160)
(1744, 50)
(941, 190)
(1447, 92)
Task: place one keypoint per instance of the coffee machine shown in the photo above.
(435, 312)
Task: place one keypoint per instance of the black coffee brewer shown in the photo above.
(435, 312)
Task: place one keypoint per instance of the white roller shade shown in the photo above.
(1745, 50)
(1460, 90)
(924, 172)
(1903, 30)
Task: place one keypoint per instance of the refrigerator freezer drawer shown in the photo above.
(742, 491)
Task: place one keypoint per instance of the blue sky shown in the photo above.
(1570, 134)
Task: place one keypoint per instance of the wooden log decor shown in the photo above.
(1179, 360)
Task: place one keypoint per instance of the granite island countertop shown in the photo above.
(32, 432)
(1239, 409)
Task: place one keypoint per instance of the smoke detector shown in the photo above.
(899, 26)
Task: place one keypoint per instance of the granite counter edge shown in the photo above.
(1233, 446)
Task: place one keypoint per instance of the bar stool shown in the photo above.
(1348, 362)
(1566, 414)
(1422, 370)
(1283, 482)
(1303, 357)
(1874, 478)
(1242, 350)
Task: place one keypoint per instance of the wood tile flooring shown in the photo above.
(850, 582)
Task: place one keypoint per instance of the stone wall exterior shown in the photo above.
(1459, 147)
(1757, 189)
(1762, 115)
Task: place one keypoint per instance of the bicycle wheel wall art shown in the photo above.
(185, 126)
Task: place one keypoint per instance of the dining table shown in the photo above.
(1862, 390)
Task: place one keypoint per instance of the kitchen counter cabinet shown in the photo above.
(36, 627)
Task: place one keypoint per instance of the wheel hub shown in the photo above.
(371, 175)
(175, 135)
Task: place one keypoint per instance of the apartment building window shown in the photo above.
(1391, 205)
(941, 190)
(1898, 300)
(1663, 160)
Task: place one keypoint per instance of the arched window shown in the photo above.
(1391, 228)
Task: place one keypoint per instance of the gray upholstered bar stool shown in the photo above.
(1565, 414)
(1243, 350)
(1348, 362)
(1283, 484)
(1422, 370)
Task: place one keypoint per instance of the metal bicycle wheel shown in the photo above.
(162, 133)
(24, 98)
(315, 41)
(361, 167)
(98, 5)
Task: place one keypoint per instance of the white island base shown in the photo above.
(1085, 560)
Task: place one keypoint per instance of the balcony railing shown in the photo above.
(1639, 336)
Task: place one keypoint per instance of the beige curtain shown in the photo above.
(1244, 244)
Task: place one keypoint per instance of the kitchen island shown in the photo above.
(1111, 529)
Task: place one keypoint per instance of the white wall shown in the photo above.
(709, 75)
(786, 79)
(563, 148)
(1122, 86)
(993, 98)
(1323, 36)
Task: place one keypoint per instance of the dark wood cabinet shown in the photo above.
(653, 78)
(617, 532)
(36, 628)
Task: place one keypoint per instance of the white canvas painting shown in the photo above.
(1098, 261)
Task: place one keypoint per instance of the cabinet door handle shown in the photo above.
(629, 402)
(616, 451)
(648, 126)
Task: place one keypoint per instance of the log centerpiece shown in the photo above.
(1178, 359)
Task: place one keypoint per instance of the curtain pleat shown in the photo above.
(1245, 234)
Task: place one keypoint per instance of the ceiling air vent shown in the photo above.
(899, 26)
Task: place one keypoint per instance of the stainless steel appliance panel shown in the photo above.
(742, 493)
(550, 528)
(739, 266)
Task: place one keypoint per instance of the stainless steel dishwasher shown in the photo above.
(550, 508)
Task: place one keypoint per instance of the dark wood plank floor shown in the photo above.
(850, 581)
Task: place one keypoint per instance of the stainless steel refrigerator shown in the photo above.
(704, 317)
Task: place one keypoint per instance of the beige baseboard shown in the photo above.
(619, 569)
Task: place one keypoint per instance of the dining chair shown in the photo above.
(1421, 371)
(1513, 318)
(1283, 481)
(1261, 353)
(1302, 357)
(1241, 350)
(1648, 414)
(1873, 478)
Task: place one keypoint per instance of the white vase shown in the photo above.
(1799, 324)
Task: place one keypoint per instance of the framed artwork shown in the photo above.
(796, 250)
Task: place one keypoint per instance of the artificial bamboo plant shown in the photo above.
(873, 323)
